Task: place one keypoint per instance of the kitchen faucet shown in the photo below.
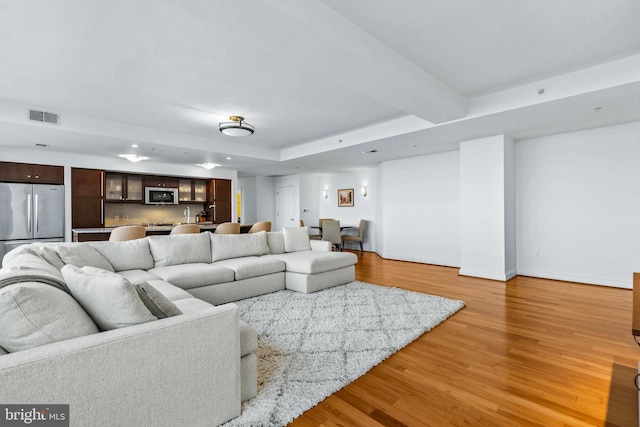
(187, 215)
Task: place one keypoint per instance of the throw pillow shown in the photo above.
(33, 314)
(226, 246)
(110, 299)
(275, 241)
(158, 304)
(82, 255)
(296, 239)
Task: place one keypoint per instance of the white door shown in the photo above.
(286, 209)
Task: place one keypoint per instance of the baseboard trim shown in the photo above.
(504, 277)
(601, 281)
(499, 276)
(440, 262)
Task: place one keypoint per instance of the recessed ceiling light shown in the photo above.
(134, 145)
(228, 158)
(207, 165)
(132, 157)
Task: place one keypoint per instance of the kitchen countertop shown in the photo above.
(203, 225)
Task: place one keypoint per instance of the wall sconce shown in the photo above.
(325, 194)
(363, 191)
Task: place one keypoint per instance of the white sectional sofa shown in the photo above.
(144, 332)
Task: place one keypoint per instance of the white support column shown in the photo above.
(487, 208)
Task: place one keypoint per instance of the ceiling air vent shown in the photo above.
(44, 117)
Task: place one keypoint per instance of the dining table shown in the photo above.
(342, 227)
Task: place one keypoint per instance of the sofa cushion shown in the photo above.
(137, 276)
(28, 266)
(180, 249)
(27, 259)
(275, 241)
(296, 239)
(192, 305)
(83, 255)
(312, 262)
(127, 255)
(13, 256)
(34, 314)
(158, 304)
(188, 276)
(248, 267)
(248, 338)
(172, 292)
(111, 301)
(51, 256)
(226, 246)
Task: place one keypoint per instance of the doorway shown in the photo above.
(285, 207)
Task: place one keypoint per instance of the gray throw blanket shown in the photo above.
(12, 275)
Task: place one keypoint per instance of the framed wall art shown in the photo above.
(345, 197)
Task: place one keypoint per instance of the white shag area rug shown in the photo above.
(312, 345)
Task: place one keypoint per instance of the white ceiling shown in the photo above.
(321, 80)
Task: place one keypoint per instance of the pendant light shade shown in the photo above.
(236, 127)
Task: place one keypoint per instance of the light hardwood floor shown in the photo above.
(529, 352)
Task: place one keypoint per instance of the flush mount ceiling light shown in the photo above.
(207, 165)
(132, 157)
(236, 127)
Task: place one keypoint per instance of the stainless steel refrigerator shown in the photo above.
(30, 212)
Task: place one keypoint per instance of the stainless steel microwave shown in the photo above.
(160, 196)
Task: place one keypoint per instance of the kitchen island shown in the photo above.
(101, 234)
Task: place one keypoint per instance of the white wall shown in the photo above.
(266, 199)
(578, 206)
(379, 209)
(287, 181)
(420, 212)
(258, 199)
(249, 206)
(309, 200)
(487, 233)
(363, 207)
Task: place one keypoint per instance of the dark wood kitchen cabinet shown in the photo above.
(218, 205)
(192, 190)
(121, 187)
(32, 173)
(160, 181)
(87, 198)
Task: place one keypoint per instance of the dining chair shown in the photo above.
(228, 228)
(321, 220)
(318, 236)
(260, 226)
(127, 232)
(331, 233)
(356, 237)
(185, 229)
